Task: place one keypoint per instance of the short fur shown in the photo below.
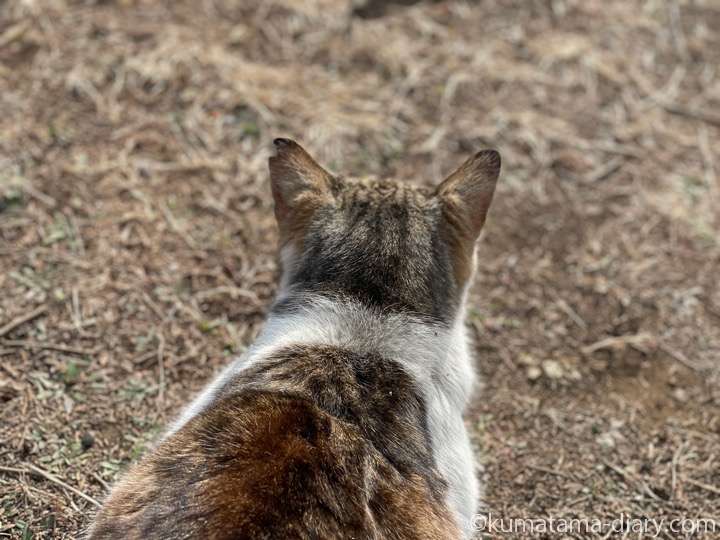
(344, 419)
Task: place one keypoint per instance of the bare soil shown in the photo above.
(137, 243)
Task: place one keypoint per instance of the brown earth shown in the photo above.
(137, 244)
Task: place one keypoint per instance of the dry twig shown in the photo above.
(22, 319)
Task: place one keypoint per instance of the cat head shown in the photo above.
(384, 243)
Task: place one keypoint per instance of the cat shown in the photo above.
(344, 418)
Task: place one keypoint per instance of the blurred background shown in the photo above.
(137, 243)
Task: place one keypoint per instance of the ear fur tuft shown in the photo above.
(472, 186)
(293, 172)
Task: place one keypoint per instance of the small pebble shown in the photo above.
(552, 369)
(87, 440)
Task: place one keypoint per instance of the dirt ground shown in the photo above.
(137, 244)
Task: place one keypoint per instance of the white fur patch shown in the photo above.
(436, 357)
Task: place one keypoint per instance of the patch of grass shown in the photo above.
(394, 152)
(135, 390)
(482, 437)
(208, 327)
(26, 533)
(10, 201)
(143, 342)
(11, 185)
(48, 522)
(59, 296)
(251, 129)
(56, 233)
(110, 469)
(477, 313)
(142, 443)
(707, 236)
(73, 370)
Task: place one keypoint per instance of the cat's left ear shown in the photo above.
(292, 173)
(469, 190)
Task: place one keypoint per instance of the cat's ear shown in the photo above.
(292, 173)
(469, 190)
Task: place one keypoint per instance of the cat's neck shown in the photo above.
(302, 318)
(429, 350)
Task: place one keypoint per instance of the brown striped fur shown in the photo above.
(314, 443)
(317, 440)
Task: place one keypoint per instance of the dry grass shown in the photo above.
(137, 241)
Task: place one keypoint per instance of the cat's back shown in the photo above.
(313, 441)
(344, 418)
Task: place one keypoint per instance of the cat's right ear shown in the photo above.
(293, 173)
(469, 190)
